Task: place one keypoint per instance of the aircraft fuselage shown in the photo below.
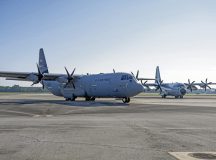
(118, 85)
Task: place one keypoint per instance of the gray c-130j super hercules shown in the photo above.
(178, 90)
(70, 86)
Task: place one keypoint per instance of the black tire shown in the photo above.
(92, 98)
(126, 100)
(73, 99)
(163, 96)
(87, 98)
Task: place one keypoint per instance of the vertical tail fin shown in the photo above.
(42, 62)
(157, 75)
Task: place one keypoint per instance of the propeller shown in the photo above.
(190, 85)
(144, 82)
(114, 71)
(145, 85)
(159, 85)
(39, 77)
(137, 75)
(206, 84)
(70, 78)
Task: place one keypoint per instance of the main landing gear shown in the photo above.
(164, 96)
(90, 98)
(71, 99)
(179, 97)
(126, 100)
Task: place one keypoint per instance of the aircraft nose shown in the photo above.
(183, 91)
(140, 88)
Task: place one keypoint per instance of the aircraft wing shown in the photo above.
(31, 76)
(53, 76)
(151, 84)
(143, 79)
(22, 76)
(16, 79)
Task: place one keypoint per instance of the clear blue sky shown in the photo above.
(98, 35)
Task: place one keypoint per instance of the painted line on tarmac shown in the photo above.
(47, 115)
(193, 155)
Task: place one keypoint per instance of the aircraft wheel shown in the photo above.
(87, 98)
(126, 100)
(163, 96)
(92, 98)
(73, 99)
(176, 97)
(181, 97)
(67, 99)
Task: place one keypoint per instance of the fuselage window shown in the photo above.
(126, 77)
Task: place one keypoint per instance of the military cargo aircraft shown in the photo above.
(70, 86)
(178, 90)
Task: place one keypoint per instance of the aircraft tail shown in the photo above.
(42, 62)
(157, 75)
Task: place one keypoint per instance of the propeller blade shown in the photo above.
(73, 85)
(161, 82)
(157, 89)
(65, 86)
(68, 74)
(42, 84)
(39, 72)
(73, 72)
(137, 75)
(36, 82)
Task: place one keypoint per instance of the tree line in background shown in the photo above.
(17, 88)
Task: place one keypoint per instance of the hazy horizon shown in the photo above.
(97, 36)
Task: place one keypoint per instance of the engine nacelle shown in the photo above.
(62, 79)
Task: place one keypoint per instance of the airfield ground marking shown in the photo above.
(194, 155)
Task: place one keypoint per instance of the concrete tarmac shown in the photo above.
(45, 127)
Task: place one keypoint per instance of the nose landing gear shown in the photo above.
(126, 100)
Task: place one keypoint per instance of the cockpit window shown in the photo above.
(126, 77)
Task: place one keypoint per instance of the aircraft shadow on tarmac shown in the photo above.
(80, 103)
(187, 97)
